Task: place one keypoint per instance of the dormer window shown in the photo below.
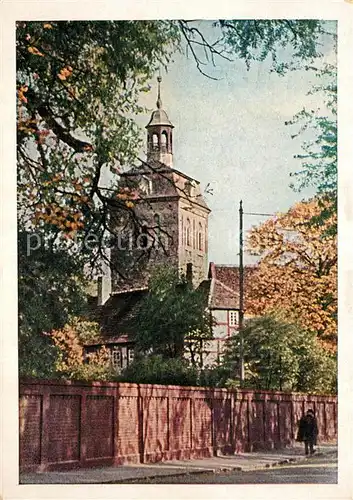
(146, 185)
(190, 188)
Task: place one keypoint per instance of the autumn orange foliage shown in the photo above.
(72, 361)
(297, 272)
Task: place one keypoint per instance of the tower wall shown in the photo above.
(157, 211)
(178, 229)
(194, 251)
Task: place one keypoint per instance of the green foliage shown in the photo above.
(78, 86)
(50, 289)
(255, 40)
(281, 356)
(95, 372)
(317, 369)
(268, 356)
(171, 311)
(213, 376)
(37, 355)
(155, 369)
(86, 331)
(197, 340)
(319, 157)
(49, 280)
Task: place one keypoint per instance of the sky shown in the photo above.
(230, 133)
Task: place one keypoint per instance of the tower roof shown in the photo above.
(159, 116)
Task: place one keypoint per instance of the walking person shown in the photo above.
(308, 432)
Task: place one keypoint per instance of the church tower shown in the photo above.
(160, 134)
(172, 212)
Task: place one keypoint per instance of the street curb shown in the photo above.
(216, 470)
(211, 470)
(287, 461)
(155, 476)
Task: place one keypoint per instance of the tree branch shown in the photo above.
(62, 133)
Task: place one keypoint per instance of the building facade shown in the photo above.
(170, 227)
(223, 303)
(171, 215)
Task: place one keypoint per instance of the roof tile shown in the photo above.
(225, 290)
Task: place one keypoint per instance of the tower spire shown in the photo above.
(159, 133)
(159, 100)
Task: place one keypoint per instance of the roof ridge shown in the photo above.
(129, 291)
(235, 266)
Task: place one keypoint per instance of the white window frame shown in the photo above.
(116, 358)
(232, 318)
(130, 355)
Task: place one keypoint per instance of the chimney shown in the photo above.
(104, 286)
(212, 271)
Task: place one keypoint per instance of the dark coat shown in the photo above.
(308, 430)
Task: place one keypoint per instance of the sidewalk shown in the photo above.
(125, 473)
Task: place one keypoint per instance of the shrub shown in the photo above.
(158, 370)
(72, 362)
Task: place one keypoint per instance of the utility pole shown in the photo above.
(241, 289)
(241, 296)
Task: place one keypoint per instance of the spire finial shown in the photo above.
(159, 100)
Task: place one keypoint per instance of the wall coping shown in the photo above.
(159, 387)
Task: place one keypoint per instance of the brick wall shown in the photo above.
(74, 424)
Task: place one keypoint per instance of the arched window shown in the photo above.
(143, 237)
(157, 219)
(164, 140)
(194, 235)
(188, 233)
(155, 141)
(200, 237)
